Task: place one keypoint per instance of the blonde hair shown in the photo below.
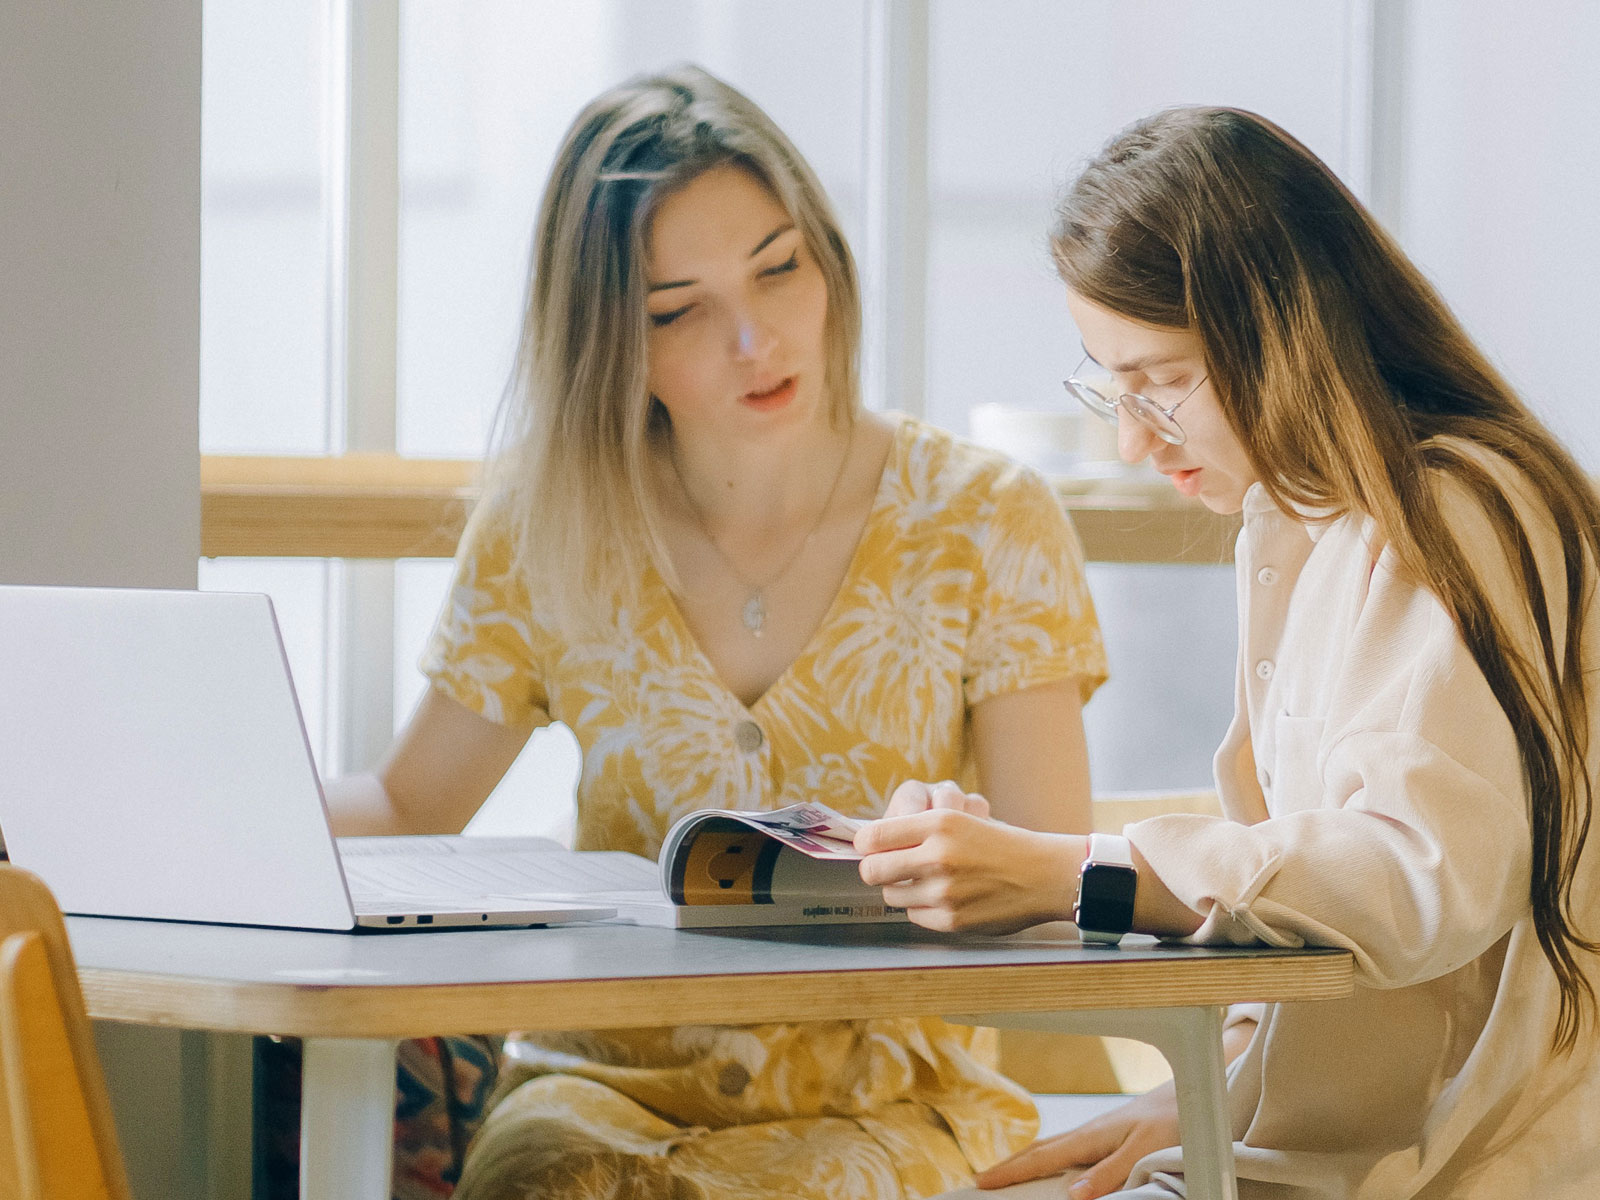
(569, 474)
(1349, 382)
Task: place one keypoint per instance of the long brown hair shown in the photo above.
(569, 473)
(1349, 382)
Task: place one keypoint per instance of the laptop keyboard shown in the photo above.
(383, 880)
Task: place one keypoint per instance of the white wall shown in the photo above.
(99, 292)
(99, 369)
(1496, 128)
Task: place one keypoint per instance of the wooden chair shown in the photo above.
(57, 1140)
(1062, 1063)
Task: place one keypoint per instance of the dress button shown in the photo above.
(1267, 576)
(1264, 669)
(747, 736)
(1265, 779)
(733, 1079)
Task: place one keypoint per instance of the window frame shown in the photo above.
(367, 506)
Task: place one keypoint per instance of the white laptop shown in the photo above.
(153, 763)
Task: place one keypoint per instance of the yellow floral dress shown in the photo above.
(967, 583)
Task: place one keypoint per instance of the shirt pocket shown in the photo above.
(1293, 781)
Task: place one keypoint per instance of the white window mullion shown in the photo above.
(372, 223)
(895, 175)
(1375, 106)
(366, 338)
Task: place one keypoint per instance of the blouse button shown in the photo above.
(1265, 779)
(747, 736)
(1264, 669)
(1267, 576)
(732, 1079)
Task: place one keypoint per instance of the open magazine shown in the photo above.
(793, 866)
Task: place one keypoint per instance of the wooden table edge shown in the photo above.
(402, 1011)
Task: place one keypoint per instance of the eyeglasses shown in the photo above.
(1099, 400)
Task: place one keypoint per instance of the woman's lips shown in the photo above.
(775, 396)
(1187, 482)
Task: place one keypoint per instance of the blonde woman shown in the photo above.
(739, 589)
(1410, 770)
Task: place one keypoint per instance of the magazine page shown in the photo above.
(813, 829)
(797, 854)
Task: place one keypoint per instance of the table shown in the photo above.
(351, 996)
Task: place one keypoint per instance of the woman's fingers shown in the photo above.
(890, 833)
(912, 796)
(888, 867)
(948, 794)
(901, 833)
(1106, 1149)
(1110, 1173)
(1079, 1147)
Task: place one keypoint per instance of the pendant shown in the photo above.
(754, 614)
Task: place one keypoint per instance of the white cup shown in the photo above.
(1043, 439)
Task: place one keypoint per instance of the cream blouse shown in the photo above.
(1386, 814)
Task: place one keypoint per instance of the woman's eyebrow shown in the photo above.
(772, 237)
(760, 246)
(1134, 366)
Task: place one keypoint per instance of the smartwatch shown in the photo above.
(1106, 885)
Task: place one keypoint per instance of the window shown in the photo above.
(486, 91)
(371, 177)
(371, 172)
(1019, 95)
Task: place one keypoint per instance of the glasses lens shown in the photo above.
(1092, 398)
(1151, 417)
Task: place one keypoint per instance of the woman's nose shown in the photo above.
(1135, 439)
(752, 339)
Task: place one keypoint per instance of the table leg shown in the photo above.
(1190, 1039)
(346, 1119)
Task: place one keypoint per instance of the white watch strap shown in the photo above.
(1110, 848)
(1094, 935)
(1115, 851)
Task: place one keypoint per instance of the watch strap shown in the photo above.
(1105, 850)
(1110, 848)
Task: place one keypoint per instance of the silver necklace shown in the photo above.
(754, 613)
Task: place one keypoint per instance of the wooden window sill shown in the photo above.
(383, 506)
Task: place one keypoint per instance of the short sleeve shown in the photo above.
(1034, 622)
(481, 652)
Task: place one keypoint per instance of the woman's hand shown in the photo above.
(913, 796)
(938, 856)
(1104, 1149)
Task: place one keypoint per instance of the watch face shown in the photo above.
(1105, 897)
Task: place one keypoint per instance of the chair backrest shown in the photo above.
(57, 1140)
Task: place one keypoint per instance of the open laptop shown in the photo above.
(153, 763)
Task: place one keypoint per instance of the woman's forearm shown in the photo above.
(1155, 909)
(358, 806)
